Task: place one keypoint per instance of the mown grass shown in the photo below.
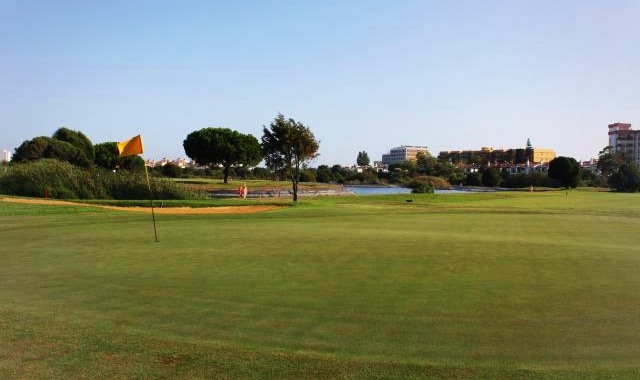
(476, 286)
(194, 203)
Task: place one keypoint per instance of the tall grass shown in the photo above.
(58, 179)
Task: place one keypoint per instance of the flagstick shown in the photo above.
(153, 214)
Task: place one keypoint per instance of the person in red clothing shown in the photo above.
(242, 192)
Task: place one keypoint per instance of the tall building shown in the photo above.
(403, 153)
(625, 141)
(6, 155)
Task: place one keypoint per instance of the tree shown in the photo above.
(475, 158)
(425, 163)
(473, 179)
(288, 145)
(222, 146)
(171, 170)
(77, 139)
(566, 170)
(627, 178)
(261, 173)
(308, 175)
(107, 157)
(529, 150)
(491, 177)
(363, 159)
(323, 174)
(47, 147)
(608, 162)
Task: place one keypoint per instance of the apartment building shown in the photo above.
(489, 155)
(543, 155)
(625, 141)
(403, 153)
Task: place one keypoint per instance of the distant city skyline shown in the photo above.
(363, 75)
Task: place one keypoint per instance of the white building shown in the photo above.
(403, 153)
(6, 156)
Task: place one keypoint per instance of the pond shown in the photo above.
(380, 190)
(377, 190)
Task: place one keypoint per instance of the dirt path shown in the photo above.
(165, 210)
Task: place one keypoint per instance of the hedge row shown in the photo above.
(58, 179)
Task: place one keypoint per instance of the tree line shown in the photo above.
(287, 146)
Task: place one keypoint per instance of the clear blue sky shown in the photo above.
(363, 75)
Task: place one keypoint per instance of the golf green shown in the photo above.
(474, 286)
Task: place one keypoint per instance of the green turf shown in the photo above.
(193, 203)
(475, 286)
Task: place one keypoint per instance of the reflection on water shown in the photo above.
(380, 190)
(377, 190)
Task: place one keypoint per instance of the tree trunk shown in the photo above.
(295, 191)
(295, 178)
(226, 174)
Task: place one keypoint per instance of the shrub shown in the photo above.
(491, 177)
(418, 187)
(58, 179)
(171, 170)
(473, 179)
(368, 176)
(526, 180)
(426, 184)
(457, 178)
(126, 185)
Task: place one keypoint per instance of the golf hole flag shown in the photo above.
(131, 147)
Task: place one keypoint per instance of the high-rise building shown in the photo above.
(6, 155)
(403, 153)
(624, 141)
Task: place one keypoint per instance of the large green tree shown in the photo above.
(566, 170)
(608, 162)
(47, 147)
(425, 163)
(288, 145)
(224, 147)
(77, 139)
(626, 178)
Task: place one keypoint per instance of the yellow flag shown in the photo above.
(130, 147)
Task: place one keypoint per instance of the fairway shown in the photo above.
(473, 286)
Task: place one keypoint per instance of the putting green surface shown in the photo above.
(476, 286)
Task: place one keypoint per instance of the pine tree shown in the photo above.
(363, 159)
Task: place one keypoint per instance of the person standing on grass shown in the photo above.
(245, 191)
(241, 191)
